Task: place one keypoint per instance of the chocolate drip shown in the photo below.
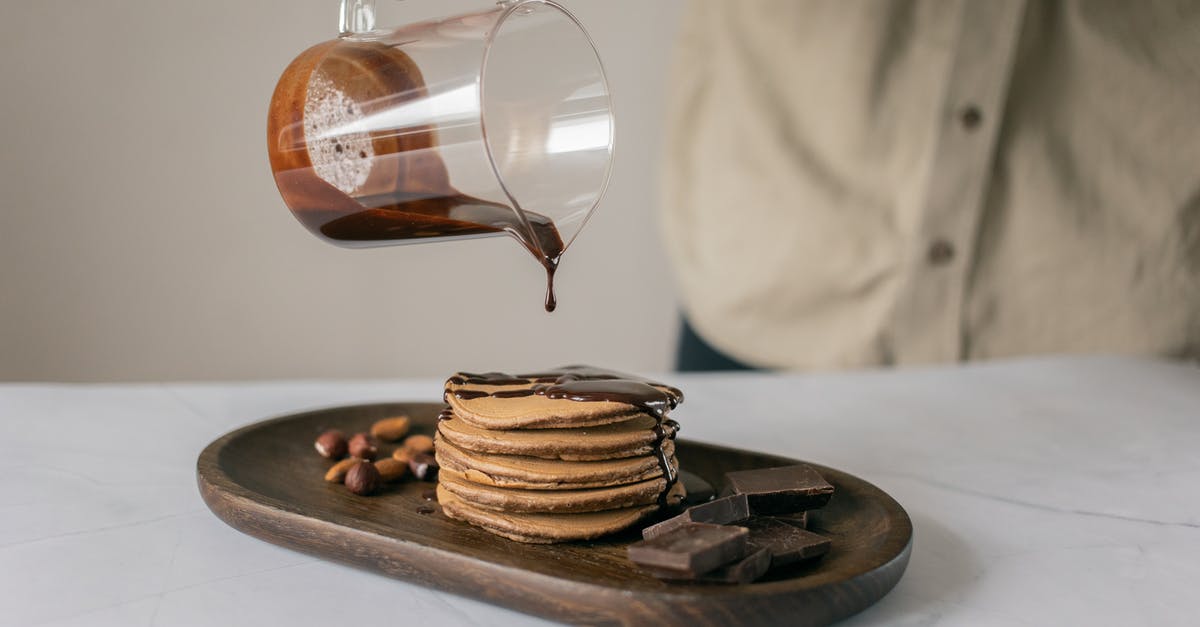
(558, 376)
(470, 394)
(518, 393)
(585, 384)
(669, 473)
(642, 395)
(447, 414)
(579, 386)
(551, 266)
(487, 378)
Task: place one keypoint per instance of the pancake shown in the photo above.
(571, 453)
(518, 471)
(504, 402)
(542, 528)
(628, 438)
(555, 501)
(532, 412)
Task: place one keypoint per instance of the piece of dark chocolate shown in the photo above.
(698, 490)
(799, 519)
(745, 570)
(780, 490)
(787, 543)
(692, 549)
(725, 510)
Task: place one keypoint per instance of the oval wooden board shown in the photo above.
(265, 480)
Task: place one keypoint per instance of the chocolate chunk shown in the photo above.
(725, 510)
(698, 490)
(691, 550)
(781, 490)
(786, 542)
(799, 519)
(744, 570)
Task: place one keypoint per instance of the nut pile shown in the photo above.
(358, 464)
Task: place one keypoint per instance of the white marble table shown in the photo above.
(1043, 492)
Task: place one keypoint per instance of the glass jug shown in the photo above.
(489, 123)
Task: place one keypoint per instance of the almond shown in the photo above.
(418, 444)
(390, 429)
(401, 455)
(391, 469)
(337, 472)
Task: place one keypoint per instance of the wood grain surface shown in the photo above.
(266, 480)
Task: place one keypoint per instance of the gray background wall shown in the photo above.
(142, 238)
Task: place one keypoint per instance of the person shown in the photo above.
(862, 183)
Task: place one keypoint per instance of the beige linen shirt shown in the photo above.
(852, 183)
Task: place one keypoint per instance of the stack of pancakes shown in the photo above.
(569, 454)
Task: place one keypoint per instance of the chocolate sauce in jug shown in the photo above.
(386, 186)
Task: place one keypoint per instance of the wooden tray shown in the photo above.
(265, 480)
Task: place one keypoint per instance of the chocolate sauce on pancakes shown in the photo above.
(470, 394)
(585, 384)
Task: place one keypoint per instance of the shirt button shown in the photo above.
(970, 117)
(941, 252)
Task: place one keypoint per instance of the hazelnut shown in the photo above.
(361, 446)
(331, 444)
(390, 429)
(418, 444)
(423, 466)
(337, 472)
(363, 478)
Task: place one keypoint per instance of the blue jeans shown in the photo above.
(693, 354)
